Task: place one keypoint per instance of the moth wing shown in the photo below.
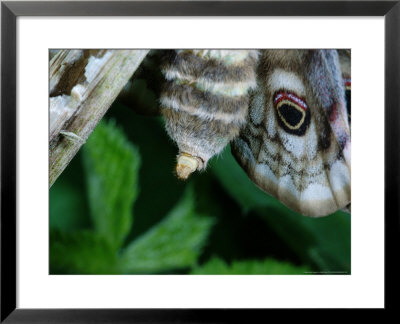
(345, 66)
(296, 143)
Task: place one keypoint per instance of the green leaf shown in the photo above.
(176, 242)
(267, 267)
(239, 186)
(323, 242)
(157, 179)
(112, 165)
(68, 205)
(80, 252)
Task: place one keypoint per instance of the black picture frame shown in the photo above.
(9, 13)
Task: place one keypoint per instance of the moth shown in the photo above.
(285, 112)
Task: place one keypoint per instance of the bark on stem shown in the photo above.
(83, 85)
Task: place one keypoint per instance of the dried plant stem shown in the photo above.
(83, 85)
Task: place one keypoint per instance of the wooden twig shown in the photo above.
(83, 84)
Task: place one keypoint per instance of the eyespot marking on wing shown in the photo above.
(347, 88)
(293, 112)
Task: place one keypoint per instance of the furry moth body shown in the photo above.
(285, 113)
(205, 101)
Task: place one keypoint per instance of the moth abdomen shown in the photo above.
(205, 101)
(205, 104)
(205, 65)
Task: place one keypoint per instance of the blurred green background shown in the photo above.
(119, 209)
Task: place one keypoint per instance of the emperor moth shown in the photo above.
(283, 111)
